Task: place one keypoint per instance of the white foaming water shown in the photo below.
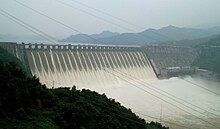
(87, 69)
(151, 108)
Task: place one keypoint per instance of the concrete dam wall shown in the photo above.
(84, 66)
(171, 61)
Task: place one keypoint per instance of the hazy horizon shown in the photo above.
(146, 14)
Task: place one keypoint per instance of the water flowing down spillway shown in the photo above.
(88, 68)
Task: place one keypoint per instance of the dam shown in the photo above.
(84, 65)
(92, 65)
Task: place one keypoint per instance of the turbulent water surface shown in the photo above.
(190, 102)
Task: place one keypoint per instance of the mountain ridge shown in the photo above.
(85, 38)
(148, 36)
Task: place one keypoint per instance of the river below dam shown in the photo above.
(177, 102)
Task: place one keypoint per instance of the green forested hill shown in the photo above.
(7, 57)
(27, 104)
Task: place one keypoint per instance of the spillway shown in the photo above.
(87, 66)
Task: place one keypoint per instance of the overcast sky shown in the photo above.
(144, 13)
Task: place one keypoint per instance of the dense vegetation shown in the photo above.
(209, 55)
(7, 57)
(25, 103)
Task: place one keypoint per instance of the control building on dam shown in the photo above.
(89, 65)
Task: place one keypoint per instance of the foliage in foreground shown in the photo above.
(27, 104)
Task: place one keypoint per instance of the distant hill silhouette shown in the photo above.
(149, 36)
(188, 42)
(84, 38)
